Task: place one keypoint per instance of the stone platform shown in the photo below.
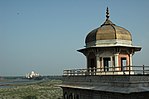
(100, 87)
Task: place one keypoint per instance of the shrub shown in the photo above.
(30, 97)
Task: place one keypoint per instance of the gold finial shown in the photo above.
(107, 13)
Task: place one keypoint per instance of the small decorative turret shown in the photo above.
(107, 13)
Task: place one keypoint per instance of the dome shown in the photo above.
(108, 34)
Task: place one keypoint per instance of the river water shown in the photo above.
(5, 83)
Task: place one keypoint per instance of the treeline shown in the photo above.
(57, 77)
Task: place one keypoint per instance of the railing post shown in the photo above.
(94, 71)
(90, 71)
(113, 69)
(123, 67)
(67, 73)
(82, 72)
(129, 69)
(143, 69)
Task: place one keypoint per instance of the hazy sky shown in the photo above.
(43, 35)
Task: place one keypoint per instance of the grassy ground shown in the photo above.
(43, 90)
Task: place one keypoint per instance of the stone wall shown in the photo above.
(106, 78)
(106, 87)
(89, 94)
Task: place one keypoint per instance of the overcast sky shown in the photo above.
(43, 35)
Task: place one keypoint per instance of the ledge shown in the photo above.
(116, 83)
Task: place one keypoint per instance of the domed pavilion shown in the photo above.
(110, 73)
(109, 47)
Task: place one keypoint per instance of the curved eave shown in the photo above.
(135, 48)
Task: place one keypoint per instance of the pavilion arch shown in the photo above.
(91, 60)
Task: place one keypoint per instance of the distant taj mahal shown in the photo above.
(32, 75)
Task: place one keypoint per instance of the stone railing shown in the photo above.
(126, 70)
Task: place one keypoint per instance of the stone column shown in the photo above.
(87, 62)
(130, 61)
(98, 64)
(111, 64)
(98, 60)
(116, 61)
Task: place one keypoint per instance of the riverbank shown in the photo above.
(45, 89)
